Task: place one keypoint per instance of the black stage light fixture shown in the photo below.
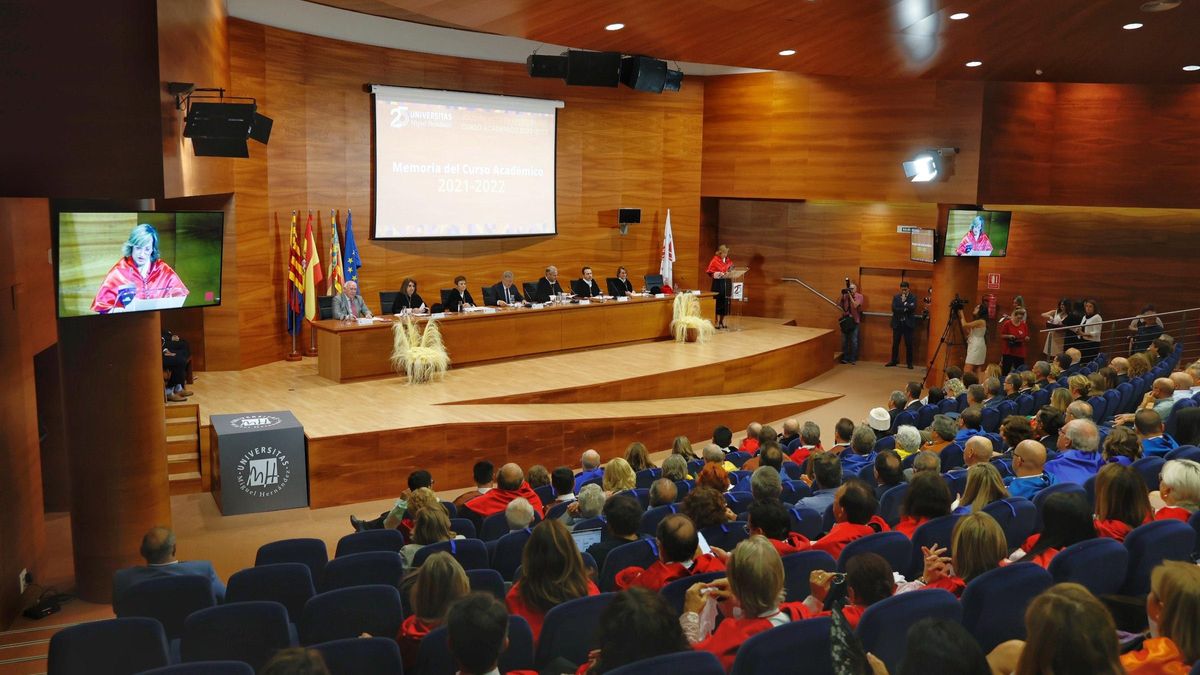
(674, 80)
(593, 69)
(644, 73)
(220, 125)
(547, 66)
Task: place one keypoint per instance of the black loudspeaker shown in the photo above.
(547, 66)
(219, 129)
(593, 69)
(674, 80)
(629, 216)
(261, 129)
(644, 73)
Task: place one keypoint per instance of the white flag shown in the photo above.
(668, 254)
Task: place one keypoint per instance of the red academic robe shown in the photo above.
(660, 574)
(972, 244)
(1114, 529)
(160, 282)
(794, 543)
(731, 633)
(1042, 559)
(908, 525)
(495, 500)
(412, 631)
(535, 618)
(844, 533)
(1169, 512)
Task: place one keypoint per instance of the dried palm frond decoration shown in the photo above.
(686, 319)
(420, 355)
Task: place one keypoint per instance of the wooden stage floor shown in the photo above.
(365, 436)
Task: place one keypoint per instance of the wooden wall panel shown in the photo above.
(616, 148)
(1096, 144)
(781, 135)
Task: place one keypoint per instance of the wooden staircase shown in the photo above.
(183, 448)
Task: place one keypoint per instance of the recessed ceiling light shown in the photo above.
(1191, 69)
(974, 64)
(614, 26)
(788, 52)
(1132, 26)
(959, 16)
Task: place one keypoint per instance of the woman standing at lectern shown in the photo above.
(718, 267)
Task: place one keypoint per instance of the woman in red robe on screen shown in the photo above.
(975, 241)
(140, 273)
(718, 267)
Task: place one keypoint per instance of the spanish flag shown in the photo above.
(312, 271)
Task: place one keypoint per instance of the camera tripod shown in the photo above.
(952, 324)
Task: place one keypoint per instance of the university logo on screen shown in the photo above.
(255, 422)
(263, 472)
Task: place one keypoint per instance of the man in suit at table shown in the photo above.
(460, 298)
(548, 286)
(506, 293)
(349, 304)
(587, 286)
(158, 548)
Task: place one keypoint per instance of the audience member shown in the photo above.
(1079, 386)
(678, 557)
(969, 380)
(976, 395)
(879, 421)
(1139, 364)
(636, 625)
(432, 527)
(484, 474)
(1069, 632)
(713, 454)
(706, 507)
(1079, 410)
(862, 445)
(675, 468)
(970, 423)
(1028, 382)
(590, 461)
(825, 476)
(750, 443)
(1047, 424)
(977, 545)
(518, 514)
(941, 433)
(935, 396)
(1121, 446)
(618, 476)
(1172, 607)
(587, 505)
(1014, 429)
(765, 484)
(1066, 520)
(842, 431)
(908, 440)
(896, 402)
(939, 646)
(927, 498)
(552, 573)
(438, 583)
(1178, 490)
(809, 442)
(714, 477)
(1151, 433)
(296, 661)
(663, 492)
(1041, 371)
(723, 437)
(682, 447)
(1029, 470)
(510, 484)
(888, 473)
(954, 387)
(392, 519)
(1122, 502)
(995, 392)
(854, 517)
(869, 579)
(538, 476)
(984, 486)
(1120, 368)
(1187, 426)
(477, 633)
(753, 584)
(622, 516)
(1077, 459)
(924, 461)
(562, 480)
(1060, 398)
(158, 550)
(638, 458)
(769, 518)
(791, 433)
(1160, 399)
(1183, 383)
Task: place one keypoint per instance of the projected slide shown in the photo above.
(453, 164)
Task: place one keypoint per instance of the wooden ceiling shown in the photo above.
(1068, 40)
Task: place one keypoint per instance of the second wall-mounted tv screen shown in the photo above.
(977, 233)
(133, 261)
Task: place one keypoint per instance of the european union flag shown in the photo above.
(353, 261)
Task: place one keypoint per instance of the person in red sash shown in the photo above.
(975, 242)
(769, 518)
(440, 581)
(552, 573)
(678, 557)
(510, 484)
(1066, 520)
(927, 498)
(1122, 502)
(1179, 490)
(977, 545)
(140, 273)
(854, 508)
(718, 268)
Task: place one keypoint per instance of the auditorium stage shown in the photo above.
(365, 436)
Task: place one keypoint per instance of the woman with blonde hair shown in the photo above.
(618, 477)
(432, 527)
(683, 447)
(675, 468)
(984, 486)
(1172, 607)
(1080, 387)
(953, 387)
(638, 457)
(439, 582)
(977, 545)
(753, 584)
(1028, 382)
(552, 573)
(1121, 446)
(1060, 398)
(1070, 633)
(419, 499)
(1139, 364)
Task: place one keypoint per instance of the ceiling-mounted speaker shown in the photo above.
(547, 66)
(674, 80)
(593, 69)
(644, 73)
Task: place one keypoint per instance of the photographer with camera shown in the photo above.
(851, 304)
(904, 321)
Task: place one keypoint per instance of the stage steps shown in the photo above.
(183, 448)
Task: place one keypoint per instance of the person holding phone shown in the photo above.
(851, 303)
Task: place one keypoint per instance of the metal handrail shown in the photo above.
(1157, 315)
(819, 294)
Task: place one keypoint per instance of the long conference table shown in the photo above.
(349, 350)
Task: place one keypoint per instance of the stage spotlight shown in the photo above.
(929, 165)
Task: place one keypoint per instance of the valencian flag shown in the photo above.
(312, 272)
(335, 257)
(353, 261)
(295, 284)
(667, 260)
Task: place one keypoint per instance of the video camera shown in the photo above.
(957, 304)
(846, 290)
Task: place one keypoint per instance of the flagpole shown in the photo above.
(293, 355)
(312, 333)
